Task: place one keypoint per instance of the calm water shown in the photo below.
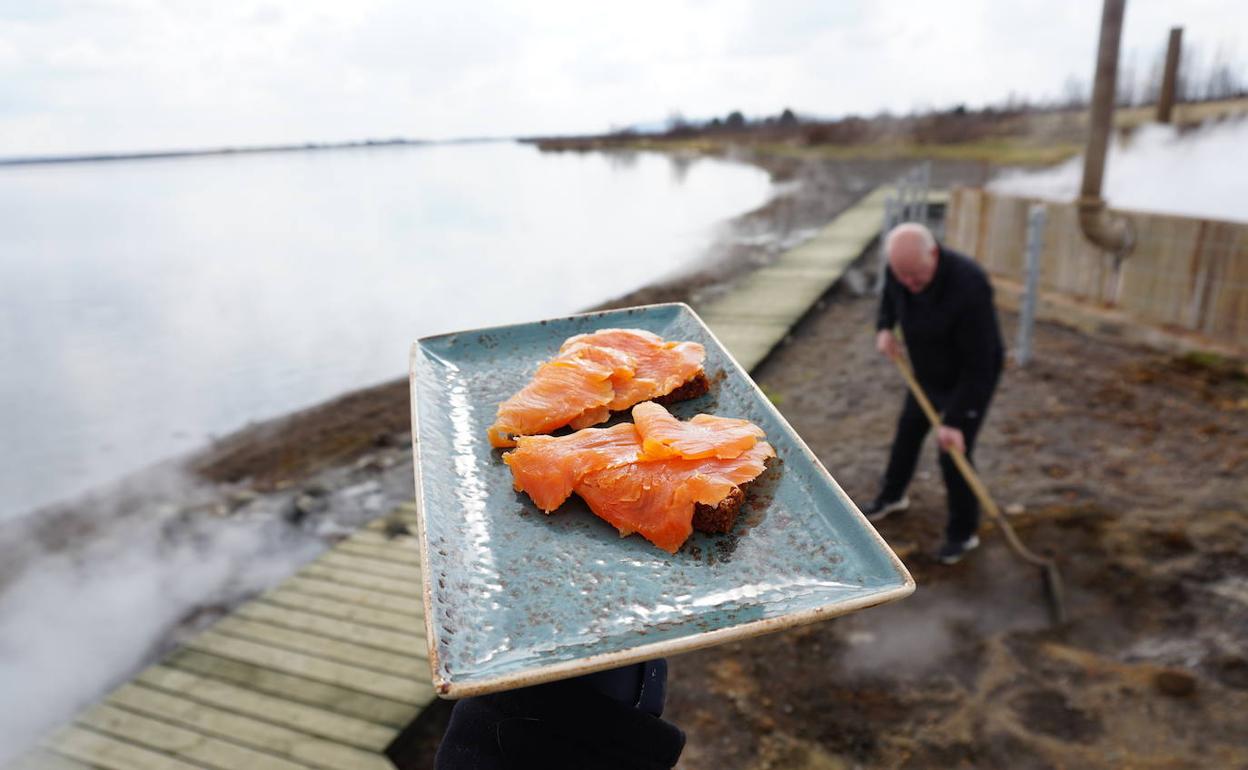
(146, 306)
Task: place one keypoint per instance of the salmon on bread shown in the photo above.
(597, 374)
(663, 436)
(548, 468)
(657, 476)
(656, 499)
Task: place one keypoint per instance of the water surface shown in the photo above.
(148, 305)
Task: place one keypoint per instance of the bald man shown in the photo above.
(943, 301)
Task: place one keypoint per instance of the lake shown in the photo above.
(146, 306)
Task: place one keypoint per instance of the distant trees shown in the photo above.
(1074, 93)
(735, 120)
(1201, 78)
(676, 122)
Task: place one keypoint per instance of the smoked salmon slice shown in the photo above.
(548, 468)
(662, 366)
(656, 499)
(662, 435)
(647, 476)
(579, 380)
(594, 375)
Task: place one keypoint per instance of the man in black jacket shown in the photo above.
(943, 301)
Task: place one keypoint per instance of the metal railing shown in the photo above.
(908, 203)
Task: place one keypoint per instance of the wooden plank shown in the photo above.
(343, 560)
(323, 647)
(368, 636)
(408, 589)
(406, 510)
(408, 544)
(338, 674)
(344, 729)
(362, 597)
(105, 751)
(42, 759)
(391, 523)
(181, 743)
(397, 555)
(370, 708)
(320, 605)
(246, 731)
(1174, 276)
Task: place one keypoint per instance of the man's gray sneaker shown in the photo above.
(878, 510)
(952, 553)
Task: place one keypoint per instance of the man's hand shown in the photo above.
(951, 438)
(886, 343)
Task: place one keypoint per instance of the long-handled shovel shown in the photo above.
(1048, 568)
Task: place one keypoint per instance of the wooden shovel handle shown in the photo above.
(968, 473)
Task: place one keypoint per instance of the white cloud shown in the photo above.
(114, 75)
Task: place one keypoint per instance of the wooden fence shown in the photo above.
(1183, 273)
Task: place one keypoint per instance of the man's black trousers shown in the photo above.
(912, 428)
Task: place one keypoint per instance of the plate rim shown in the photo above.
(449, 689)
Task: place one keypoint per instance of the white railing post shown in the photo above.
(890, 220)
(1036, 218)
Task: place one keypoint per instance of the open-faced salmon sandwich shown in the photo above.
(657, 476)
(597, 374)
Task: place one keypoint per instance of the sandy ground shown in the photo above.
(1129, 465)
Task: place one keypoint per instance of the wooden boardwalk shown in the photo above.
(324, 671)
(759, 311)
(320, 673)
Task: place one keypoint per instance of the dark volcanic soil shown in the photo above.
(1129, 466)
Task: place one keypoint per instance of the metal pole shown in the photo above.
(1102, 98)
(890, 219)
(927, 186)
(1112, 234)
(1170, 82)
(1036, 218)
(916, 193)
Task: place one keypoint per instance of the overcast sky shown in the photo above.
(117, 75)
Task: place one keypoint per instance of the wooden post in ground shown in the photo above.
(1036, 219)
(1170, 82)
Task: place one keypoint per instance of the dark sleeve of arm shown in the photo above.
(887, 316)
(979, 356)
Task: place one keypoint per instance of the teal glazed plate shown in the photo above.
(514, 597)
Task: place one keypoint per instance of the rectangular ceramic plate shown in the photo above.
(514, 597)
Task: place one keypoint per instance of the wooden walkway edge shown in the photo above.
(320, 673)
(759, 310)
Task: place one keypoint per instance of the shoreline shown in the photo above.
(265, 468)
(108, 157)
(261, 468)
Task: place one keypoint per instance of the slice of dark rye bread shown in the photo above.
(720, 518)
(697, 385)
(708, 518)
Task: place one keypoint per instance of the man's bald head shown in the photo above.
(912, 255)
